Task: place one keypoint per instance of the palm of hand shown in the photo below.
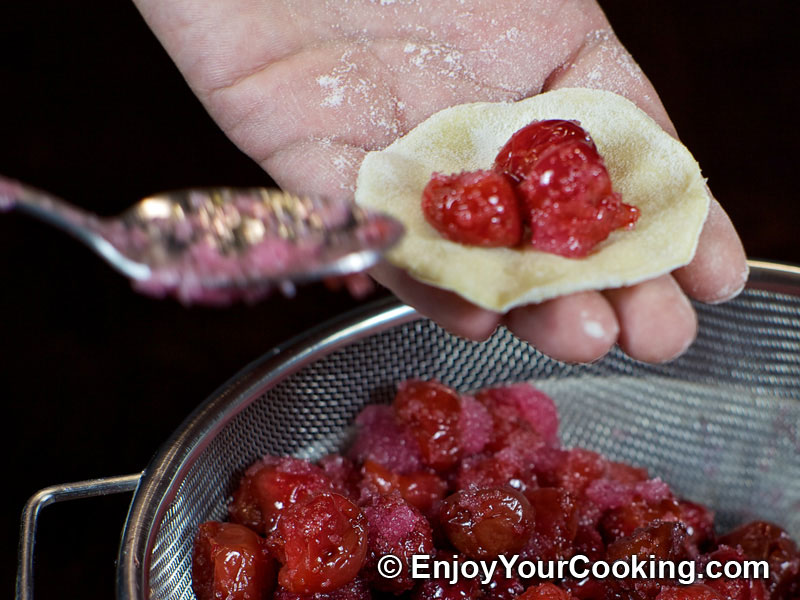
(307, 87)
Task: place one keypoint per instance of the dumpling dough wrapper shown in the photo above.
(648, 167)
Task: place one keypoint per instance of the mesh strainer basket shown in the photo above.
(721, 424)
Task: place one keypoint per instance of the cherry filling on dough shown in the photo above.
(477, 208)
(524, 148)
(549, 187)
(568, 201)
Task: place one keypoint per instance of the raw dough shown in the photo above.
(651, 170)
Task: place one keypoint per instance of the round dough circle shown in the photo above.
(651, 170)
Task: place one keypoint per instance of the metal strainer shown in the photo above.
(721, 425)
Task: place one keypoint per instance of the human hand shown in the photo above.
(307, 87)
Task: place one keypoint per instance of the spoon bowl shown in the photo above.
(216, 245)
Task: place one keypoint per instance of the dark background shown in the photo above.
(93, 378)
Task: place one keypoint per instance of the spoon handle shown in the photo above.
(85, 226)
(48, 208)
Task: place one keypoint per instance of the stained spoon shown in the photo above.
(216, 245)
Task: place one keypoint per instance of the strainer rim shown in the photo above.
(161, 478)
(157, 488)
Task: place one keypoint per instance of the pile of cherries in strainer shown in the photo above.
(459, 477)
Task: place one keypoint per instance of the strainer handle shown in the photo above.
(58, 493)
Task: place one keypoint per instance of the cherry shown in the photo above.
(732, 589)
(422, 489)
(665, 541)
(380, 438)
(660, 541)
(231, 561)
(548, 177)
(520, 446)
(343, 475)
(549, 465)
(475, 426)
(504, 469)
(622, 522)
(578, 469)
(589, 542)
(568, 201)
(478, 208)
(623, 473)
(501, 587)
(321, 542)
(270, 486)
(688, 592)
(395, 528)
(525, 147)
(442, 589)
(431, 410)
(358, 589)
(545, 591)
(519, 407)
(587, 588)
(516, 491)
(761, 540)
(556, 524)
(486, 523)
(699, 522)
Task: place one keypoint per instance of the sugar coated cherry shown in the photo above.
(556, 523)
(568, 200)
(663, 540)
(478, 477)
(761, 540)
(269, 487)
(623, 521)
(688, 592)
(444, 589)
(358, 589)
(431, 411)
(739, 588)
(548, 179)
(420, 489)
(525, 147)
(321, 542)
(477, 208)
(395, 528)
(501, 587)
(545, 591)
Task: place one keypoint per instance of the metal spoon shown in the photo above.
(218, 245)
